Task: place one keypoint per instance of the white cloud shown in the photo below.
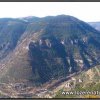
(87, 11)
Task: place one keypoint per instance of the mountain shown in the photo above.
(96, 25)
(64, 42)
(40, 50)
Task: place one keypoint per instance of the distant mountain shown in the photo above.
(48, 48)
(96, 25)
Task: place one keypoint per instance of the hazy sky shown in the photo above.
(86, 11)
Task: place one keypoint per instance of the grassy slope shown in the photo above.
(91, 82)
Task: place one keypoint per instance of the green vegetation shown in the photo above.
(86, 85)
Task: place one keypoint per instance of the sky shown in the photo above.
(86, 11)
